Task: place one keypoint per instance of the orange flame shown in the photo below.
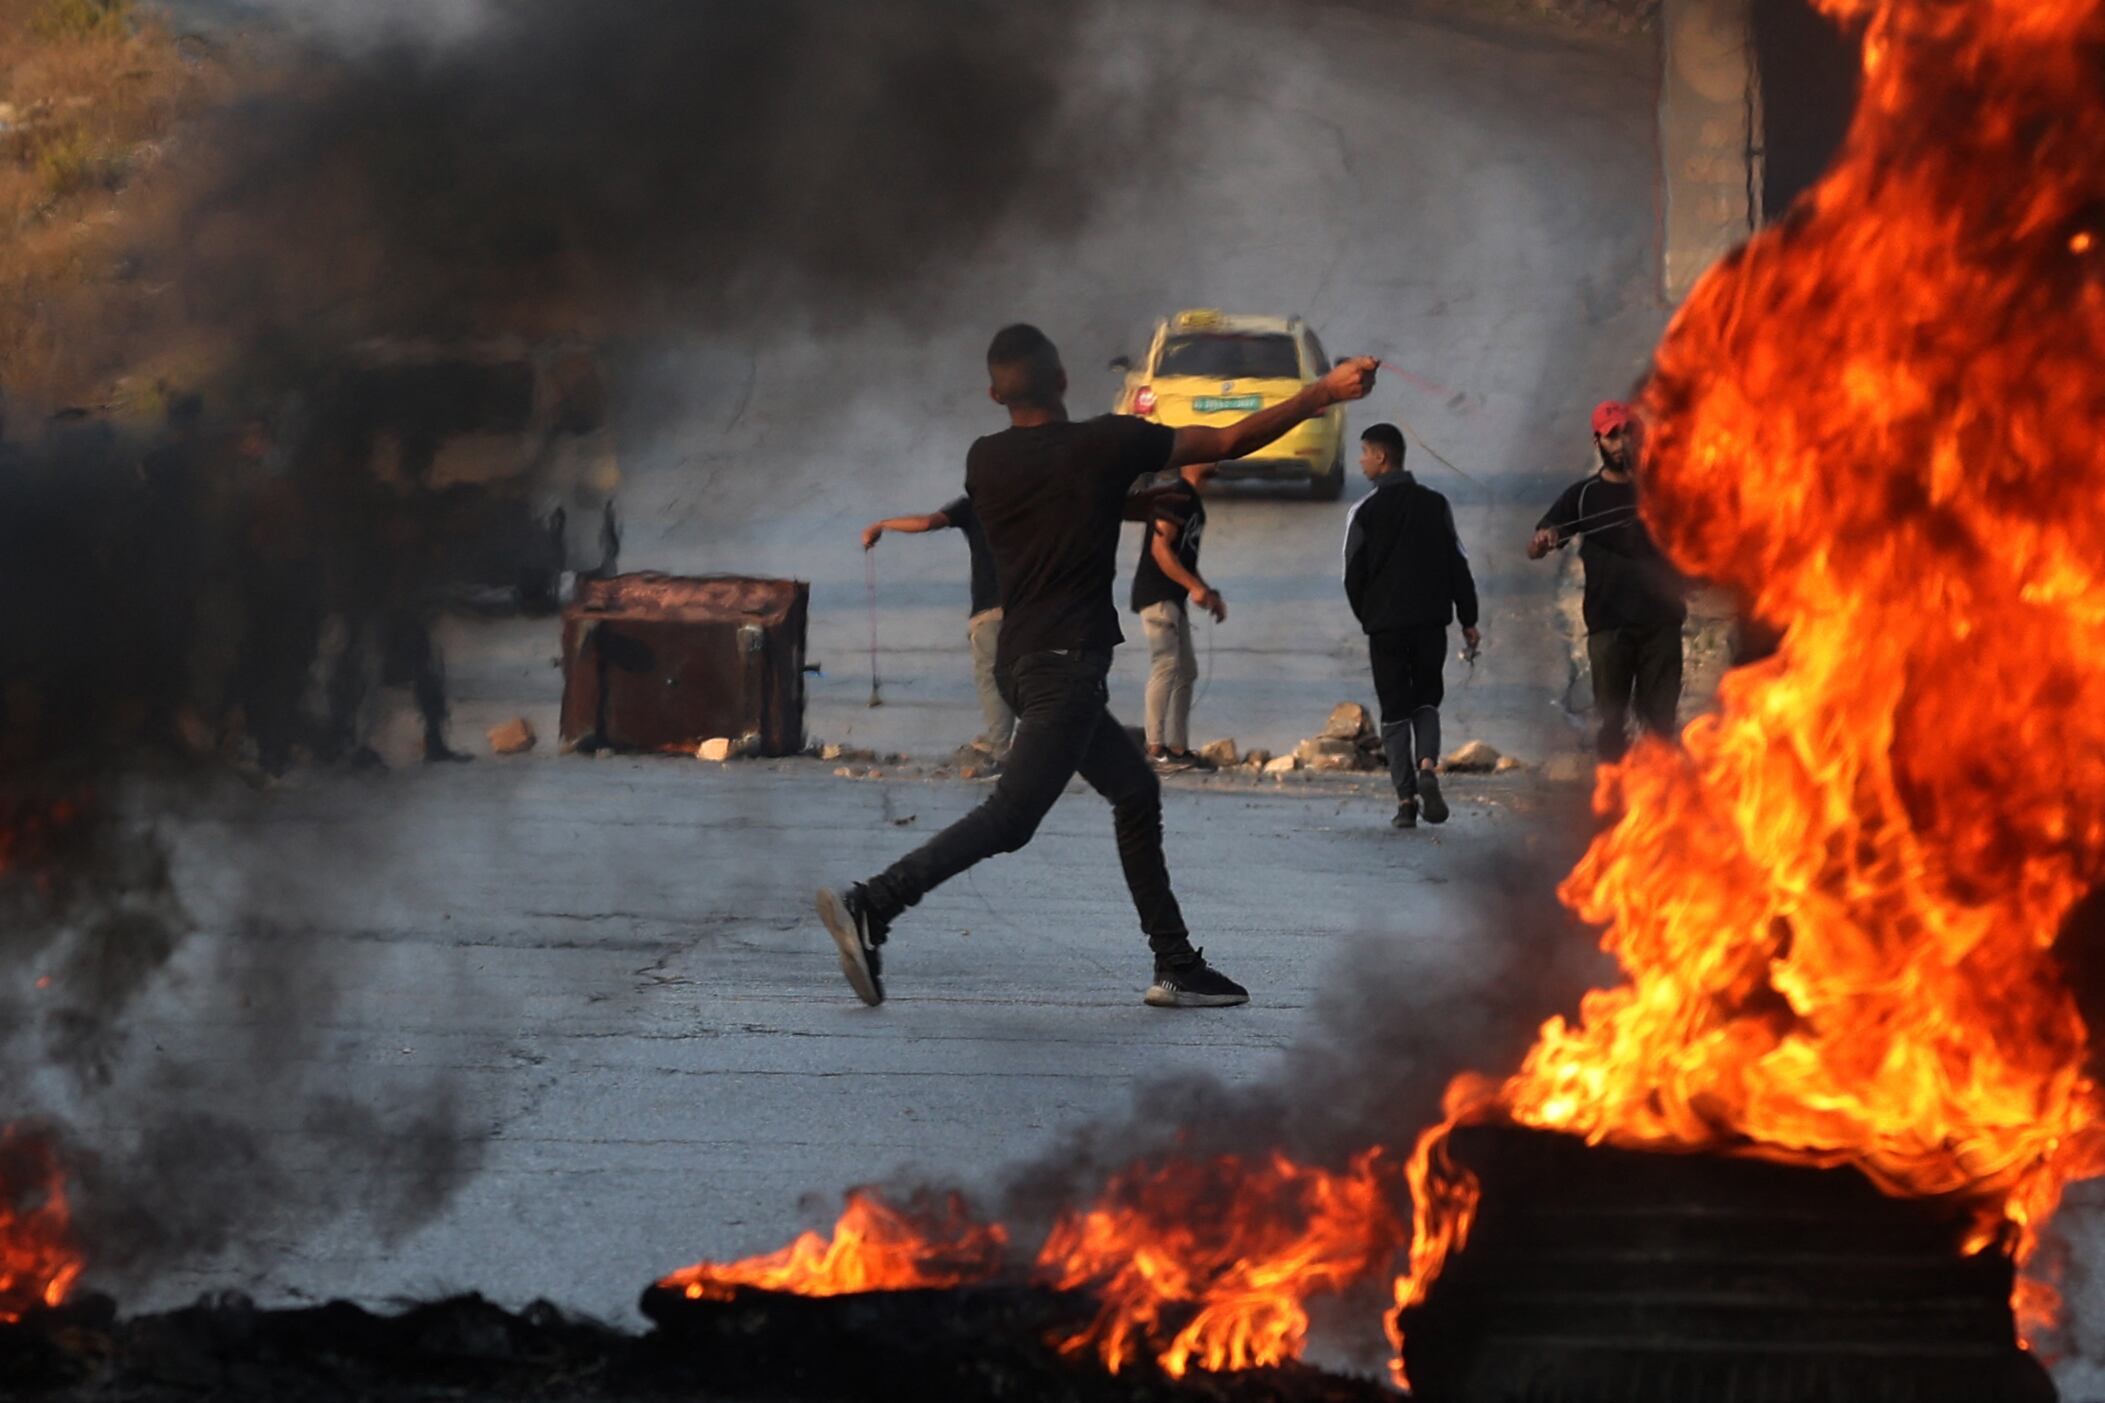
(1210, 1264)
(39, 1259)
(875, 1247)
(1205, 1264)
(1835, 904)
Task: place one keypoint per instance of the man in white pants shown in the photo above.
(1166, 579)
(985, 625)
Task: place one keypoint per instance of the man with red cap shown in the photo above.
(1634, 603)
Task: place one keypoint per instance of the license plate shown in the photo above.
(1215, 404)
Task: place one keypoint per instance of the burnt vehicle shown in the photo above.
(507, 448)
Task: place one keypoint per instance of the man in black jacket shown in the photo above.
(1634, 602)
(1407, 578)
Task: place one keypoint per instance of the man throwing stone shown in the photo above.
(1050, 494)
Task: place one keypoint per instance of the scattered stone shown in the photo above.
(1258, 759)
(718, 748)
(513, 737)
(1331, 753)
(854, 755)
(1348, 721)
(1472, 757)
(1508, 762)
(968, 772)
(844, 772)
(1221, 752)
(1284, 765)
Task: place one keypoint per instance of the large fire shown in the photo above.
(39, 1259)
(1836, 902)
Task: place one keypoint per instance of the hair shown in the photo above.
(1024, 366)
(1388, 438)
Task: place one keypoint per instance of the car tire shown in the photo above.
(1331, 485)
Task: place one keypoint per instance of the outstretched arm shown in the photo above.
(1349, 380)
(911, 525)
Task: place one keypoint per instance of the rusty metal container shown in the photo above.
(664, 662)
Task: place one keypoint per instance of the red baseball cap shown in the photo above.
(1612, 414)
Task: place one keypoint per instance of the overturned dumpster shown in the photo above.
(664, 662)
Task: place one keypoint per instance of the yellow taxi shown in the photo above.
(1210, 367)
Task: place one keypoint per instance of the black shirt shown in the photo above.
(985, 593)
(1404, 562)
(1050, 499)
(1150, 584)
(1629, 583)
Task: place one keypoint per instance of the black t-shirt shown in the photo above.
(1629, 583)
(985, 593)
(1150, 584)
(1050, 499)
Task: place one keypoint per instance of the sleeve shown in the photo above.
(958, 511)
(1460, 580)
(1143, 448)
(1563, 513)
(1356, 558)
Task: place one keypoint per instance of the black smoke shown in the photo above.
(622, 172)
(641, 164)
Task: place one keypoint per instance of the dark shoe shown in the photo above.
(1199, 763)
(1171, 763)
(858, 932)
(1429, 796)
(1192, 983)
(365, 758)
(445, 755)
(1406, 814)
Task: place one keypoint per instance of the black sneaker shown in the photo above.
(1194, 984)
(1429, 796)
(858, 932)
(1169, 762)
(1406, 814)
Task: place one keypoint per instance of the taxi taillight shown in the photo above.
(1144, 400)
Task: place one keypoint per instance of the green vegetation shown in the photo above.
(81, 19)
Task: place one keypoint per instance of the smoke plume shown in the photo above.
(207, 563)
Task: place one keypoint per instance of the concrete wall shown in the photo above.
(1709, 126)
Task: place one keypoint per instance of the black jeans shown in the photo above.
(1409, 678)
(1064, 727)
(1635, 664)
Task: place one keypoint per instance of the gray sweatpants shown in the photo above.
(1172, 668)
(985, 631)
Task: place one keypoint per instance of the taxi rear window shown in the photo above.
(1219, 356)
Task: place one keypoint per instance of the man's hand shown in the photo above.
(1542, 543)
(1349, 379)
(1210, 600)
(870, 534)
(1473, 639)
